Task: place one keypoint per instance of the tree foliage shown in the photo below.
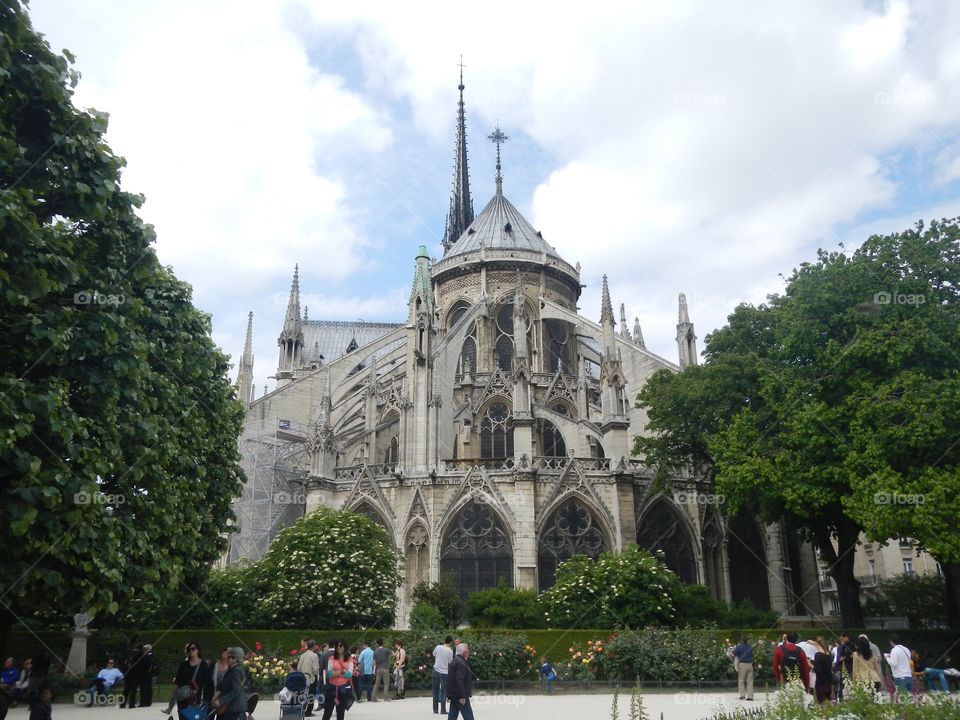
(443, 596)
(833, 402)
(920, 598)
(505, 607)
(628, 589)
(118, 425)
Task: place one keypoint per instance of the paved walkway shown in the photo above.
(486, 706)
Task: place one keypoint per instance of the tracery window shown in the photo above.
(476, 553)
(503, 345)
(416, 549)
(551, 440)
(570, 530)
(662, 529)
(556, 342)
(496, 432)
(393, 450)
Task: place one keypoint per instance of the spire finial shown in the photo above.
(684, 314)
(606, 309)
(460, 214)
(498, 137)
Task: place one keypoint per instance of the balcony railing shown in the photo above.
(352, 472)
(826, 585)
(867, 580)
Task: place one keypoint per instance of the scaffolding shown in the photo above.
(275, 456)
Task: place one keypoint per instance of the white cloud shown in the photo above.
(694, 147)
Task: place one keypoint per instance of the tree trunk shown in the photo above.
(840, 564)
(951, 577)
(7, 620)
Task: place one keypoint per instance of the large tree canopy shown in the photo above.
(834, 405)
(118, 425)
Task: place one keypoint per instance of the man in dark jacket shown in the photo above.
(460, 684)
(230, 691)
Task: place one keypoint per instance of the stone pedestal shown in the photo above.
(77, 659)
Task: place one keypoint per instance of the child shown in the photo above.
(40, 707)
(547, 673)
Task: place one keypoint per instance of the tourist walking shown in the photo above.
(790, 662)
(399, 666)
(460, 684)
(132, 675)
(309, 665)
(842, 663)
(230, 701)
(442, 656)
(215, 673)
(188, 681)
(866, 665)
(381, 671)
(899, 660)
(822, 672)
(339, 693)
(365, 661)
(743, 658)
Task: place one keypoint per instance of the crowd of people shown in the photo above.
(826, 669)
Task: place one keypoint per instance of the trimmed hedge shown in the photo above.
(555, 644)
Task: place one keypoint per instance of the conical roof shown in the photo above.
(500, 226)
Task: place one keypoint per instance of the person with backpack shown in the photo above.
(790, 662)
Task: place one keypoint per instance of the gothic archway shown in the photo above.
(496, 432)
(476, 552)
(365, 508)
(748, 562)
(712, 545)
(551, 439)
(416, 549)
(571, 529)
(662, 528)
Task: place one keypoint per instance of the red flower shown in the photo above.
(258, 646)
(293, 652)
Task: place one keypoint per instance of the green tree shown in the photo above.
(443, 596)
(505, 607)
(329, 569)
(917, 597)
(118, 425)
(628, 589)
(842, 387)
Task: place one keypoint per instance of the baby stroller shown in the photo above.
(294, 696)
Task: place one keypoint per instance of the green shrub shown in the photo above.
(667, 655)
(696, 607)
(746, 614)
(443, 596)
(505, 607)
(628, 589)
(425, 617)
(920, 598)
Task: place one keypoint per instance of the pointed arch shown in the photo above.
(496, 431)
(550, 439)
(748, 561)
(364, 507)
(416, 553)
(573, 526)
(662, 527)
(712, 547)
(476, 552)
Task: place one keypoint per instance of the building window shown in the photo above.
(393, 451)
(557, 336)
(496, 432)
(570, 530)
(476, 553)
(906, 543)
(503, 345)
(551, 440)
(907, 566)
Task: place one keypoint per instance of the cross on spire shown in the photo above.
(498, 137)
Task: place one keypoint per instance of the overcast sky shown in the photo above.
(697, 147)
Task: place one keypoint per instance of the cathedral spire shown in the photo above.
(245, 377)
(686, 338)
(638, 334)
(624, 332)
(498, 137)
(606, 309)
(292, 323)
(291, 337)
(460, 214)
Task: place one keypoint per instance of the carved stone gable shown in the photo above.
(477, 484)
(561, 388)
(367, 490)
(498, 384)
(574, 481)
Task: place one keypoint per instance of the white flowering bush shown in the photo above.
(329, 570)
(617, 590)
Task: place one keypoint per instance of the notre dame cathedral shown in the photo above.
(491, 432)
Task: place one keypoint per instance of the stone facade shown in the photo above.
(491, 433)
